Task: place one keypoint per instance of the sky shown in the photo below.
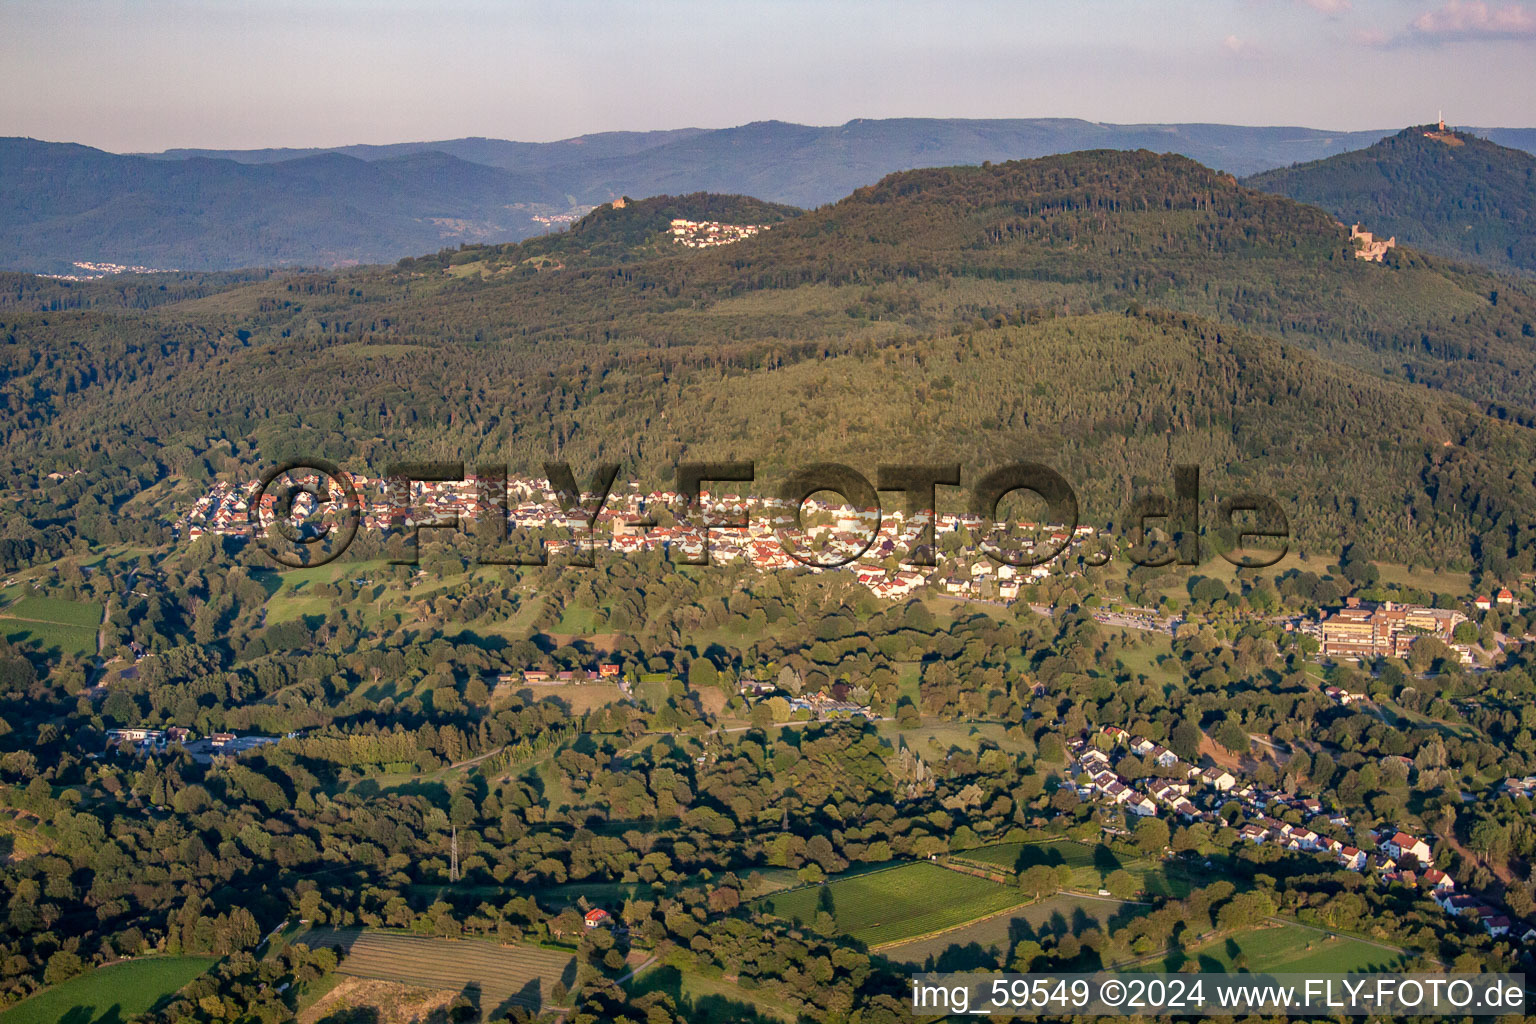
(147, 75)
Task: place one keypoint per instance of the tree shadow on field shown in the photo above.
(1031, 856)
(88, 1015)
(716, 1009)
(353, 1015)
(969, 957)
(530, 997)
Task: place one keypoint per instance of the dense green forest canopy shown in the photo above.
(975, 312)
(1445, 192)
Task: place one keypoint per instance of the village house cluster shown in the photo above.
(874, 540)
(553, 219)
(1196, 793)
(984, 578)
(701, 234)
(95, 271)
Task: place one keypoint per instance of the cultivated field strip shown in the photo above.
(896, 903)
(494, 976)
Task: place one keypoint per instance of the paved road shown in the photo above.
(638, 968)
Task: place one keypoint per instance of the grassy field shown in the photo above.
(1284, 947)
(576, 621)
(895, 903)
(1090, 865)
(986, 942)
(705, 999)
(55, 609)
(496, 977)
(51, 623)
(291, 592)
(1152, 656)
(19, 835)
(111, 994)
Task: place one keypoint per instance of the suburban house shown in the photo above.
(1403, 845)
(1218, 779)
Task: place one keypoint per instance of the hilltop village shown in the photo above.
(695, 234)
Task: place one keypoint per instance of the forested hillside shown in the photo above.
(61, 203)
(622, 232)
(1442, 191)
(224, 209)
(789, 788)
(972, 313)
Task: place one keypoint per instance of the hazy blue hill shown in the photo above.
(518, 156)
(1450, 193)
(878, 147)
(808, 166)
(218, 209)
(1514, 138)
(60, 203)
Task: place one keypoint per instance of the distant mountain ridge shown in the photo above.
(223, 209)
(501, 153)
(1442, 191)
(62, 203)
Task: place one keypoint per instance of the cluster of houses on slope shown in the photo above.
(95, 271)
(870, 542)
(142, 742)
(1147, 796)
(982, 578)
(1196, 793)
(702, 234)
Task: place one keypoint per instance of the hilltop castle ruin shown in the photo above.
(1371, 247)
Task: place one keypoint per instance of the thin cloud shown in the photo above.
(1329, 7)
(1474, 19)
(1237, 46)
